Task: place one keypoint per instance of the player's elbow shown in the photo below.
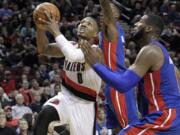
(122, 87)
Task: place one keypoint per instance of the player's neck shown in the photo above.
(155, 37)
(147, 39)
(90, 41)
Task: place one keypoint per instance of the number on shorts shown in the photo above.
(79, 77)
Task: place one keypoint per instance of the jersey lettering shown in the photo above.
(74, 66)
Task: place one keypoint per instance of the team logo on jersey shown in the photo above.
(74, 66)
(55, 101)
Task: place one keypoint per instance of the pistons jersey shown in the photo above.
(159, 89)
(121, 105)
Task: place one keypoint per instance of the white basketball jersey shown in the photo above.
(82, 74)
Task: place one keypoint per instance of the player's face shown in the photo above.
(139, 29)
(87, 28)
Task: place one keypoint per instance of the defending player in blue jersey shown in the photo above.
(121, 107)
(155, 71)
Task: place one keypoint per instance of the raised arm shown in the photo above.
(109, 24)
(66, 47)
(44, 47)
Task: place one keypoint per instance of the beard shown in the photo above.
(138, 35)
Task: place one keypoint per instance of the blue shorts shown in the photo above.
(166, 122)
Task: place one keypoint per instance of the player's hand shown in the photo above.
(91, 55)
(50, 24)
(40, 27)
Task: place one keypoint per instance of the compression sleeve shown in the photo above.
(69, 51)
(120, 81)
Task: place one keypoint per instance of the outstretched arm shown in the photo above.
(125, 81)
(109, 24)
(44, 47)
(122, 82)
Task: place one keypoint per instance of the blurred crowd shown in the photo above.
(27, 80)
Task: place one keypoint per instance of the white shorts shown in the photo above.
(78, 113)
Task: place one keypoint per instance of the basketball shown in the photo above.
(48, 7)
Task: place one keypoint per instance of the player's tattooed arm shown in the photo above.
(44, 47)
(109, 24)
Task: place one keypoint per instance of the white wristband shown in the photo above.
(69, 51)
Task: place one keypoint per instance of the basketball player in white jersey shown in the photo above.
(75, 105)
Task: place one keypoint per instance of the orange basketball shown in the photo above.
(48, 7)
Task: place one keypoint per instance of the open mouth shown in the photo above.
(82, 29)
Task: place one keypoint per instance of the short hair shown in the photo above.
(156, 22)
(29, 118)
(19, 95)
(93, 17)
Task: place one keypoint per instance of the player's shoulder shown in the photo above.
(150, 49)
(151, 54)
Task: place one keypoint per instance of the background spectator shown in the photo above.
(26, 92)
(4, 99)
(23, 127)
(37, 104)
(5, 130)
(20, 109)
(10, 121)
(8, 84)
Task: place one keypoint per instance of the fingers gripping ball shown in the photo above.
(40, 10)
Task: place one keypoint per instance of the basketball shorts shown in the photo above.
(166, 122)
(78, 113)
